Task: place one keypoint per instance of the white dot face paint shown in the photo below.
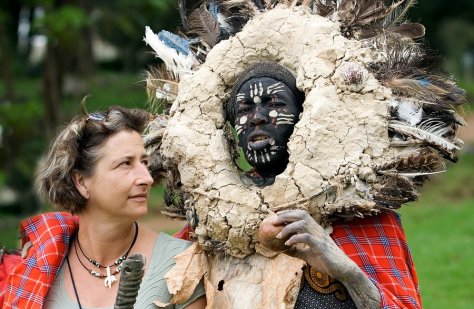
(257, 100)
(243, 120)
(273, 114)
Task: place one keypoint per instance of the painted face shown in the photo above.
(121, 181)
(266, 112)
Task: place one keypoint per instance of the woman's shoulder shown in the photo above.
(165, 249)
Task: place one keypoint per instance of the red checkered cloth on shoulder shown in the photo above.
(50, 234)
(379, 247)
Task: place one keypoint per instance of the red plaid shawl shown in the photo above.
(379, 246)
(29, 283)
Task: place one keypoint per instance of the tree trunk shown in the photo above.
(52, 88)
(86, 65)
(9, 16)
(5, 61)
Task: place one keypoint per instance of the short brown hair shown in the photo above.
(76, 148)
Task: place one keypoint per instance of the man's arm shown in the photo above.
(369, 256)
(322, 253)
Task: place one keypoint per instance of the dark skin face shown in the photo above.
(266, 112)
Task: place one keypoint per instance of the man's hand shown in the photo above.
(311, 243)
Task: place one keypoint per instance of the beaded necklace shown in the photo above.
(109, 277)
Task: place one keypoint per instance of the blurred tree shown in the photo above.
(122, 23)
(432, 13)
(9, 15)
(457, 37)
(63, 24)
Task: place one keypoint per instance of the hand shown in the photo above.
(310, 242)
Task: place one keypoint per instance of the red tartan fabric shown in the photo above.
(7, 263)
(28, 284)
(184, 233)
(379, 247)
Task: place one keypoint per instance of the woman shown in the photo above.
(97, 170)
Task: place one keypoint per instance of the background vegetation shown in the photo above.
(96, 48)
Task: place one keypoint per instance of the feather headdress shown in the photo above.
(380, 115)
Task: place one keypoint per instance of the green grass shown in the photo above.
(440, 233)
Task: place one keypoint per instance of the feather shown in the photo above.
(259, 5)
(431, 88)
(410, 175)
(406, 72)
(407, 111)
(357, 13)
(430, 131)
(426, 161)
(162, 88)
(237, 13)
(152, 137)
(182, 13)
(447, 116)
(224, 28)
(323, 8)
(397, 14)
(375, 10)
(391, 191)
(205, 25)
(409, 30)
(173, 50)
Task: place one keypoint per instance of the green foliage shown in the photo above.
(122, 23)
(63, 23)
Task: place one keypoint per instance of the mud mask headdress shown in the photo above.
(379, 115)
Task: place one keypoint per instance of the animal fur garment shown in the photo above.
(379, 116)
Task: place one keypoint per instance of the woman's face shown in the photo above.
(266, 112)
(120, 183)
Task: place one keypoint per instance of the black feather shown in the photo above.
(393, 191)
(204, 25)
(237, 13)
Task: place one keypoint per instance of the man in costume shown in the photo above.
(264, 107)
(377, 117)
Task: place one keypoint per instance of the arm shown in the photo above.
(322, 253)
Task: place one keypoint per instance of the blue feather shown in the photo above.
(213, 9)
(424, 82)
(174, 41)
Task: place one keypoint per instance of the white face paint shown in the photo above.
(257, 100)
(243, 120)
(277, 87)
(273, 114)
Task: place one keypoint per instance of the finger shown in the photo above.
(298, 252)
(283, 217)
(292, 228)
(303, 238)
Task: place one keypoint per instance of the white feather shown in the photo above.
(165, 93)
(410, 112)
(431, 131)
(394, 173)
(222, 20)
(178, 63)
